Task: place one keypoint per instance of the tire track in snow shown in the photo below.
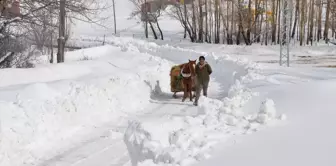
(99, 148)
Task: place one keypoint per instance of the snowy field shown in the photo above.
(112, 105)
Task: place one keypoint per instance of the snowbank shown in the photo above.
(50, 104)
(193, 139)
(45, 72)
(307, 139)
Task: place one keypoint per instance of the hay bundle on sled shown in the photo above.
(176, 84)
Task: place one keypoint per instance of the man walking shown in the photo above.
(203, 71)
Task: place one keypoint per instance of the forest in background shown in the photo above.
(241, 22)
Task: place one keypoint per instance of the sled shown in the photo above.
(176, 84)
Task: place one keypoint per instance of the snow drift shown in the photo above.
(96, 86)
(195, 136)
(50, 104)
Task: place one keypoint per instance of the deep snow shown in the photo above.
(267, 80)
(307, 138)
(112, 105)
(44, 116)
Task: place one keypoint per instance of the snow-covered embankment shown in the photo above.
(47, 112)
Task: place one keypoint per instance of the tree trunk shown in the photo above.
(206, 22)
(256, 20)
(326, 24)
(223, 19)
(232, 22)
(302, 23)
(217, 22)
(161, 34)
(311, 28)
(260, 17)
(266, 34)
(279, 15)
(200, 31)
(61, 35)
(238, 35)
(153, 30)
(274, 20)
(52, 48)
(146, 22)
(316, 22)
(114, 18)
(308, 21)
(297, 9)
(332, 22)
(194, 21)
(185, 20)
(319, 20)
(227, 23)
(249, 22)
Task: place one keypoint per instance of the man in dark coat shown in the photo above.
(203, 71)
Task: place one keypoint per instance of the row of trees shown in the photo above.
(37, 24)
(249, 21)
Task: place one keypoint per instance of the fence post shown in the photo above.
(104, 40)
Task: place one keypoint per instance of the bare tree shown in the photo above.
(35, 20)
(149, 13)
